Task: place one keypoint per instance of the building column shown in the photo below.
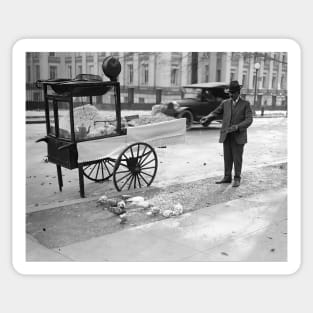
(280, 71)
(44, 65)
(95, 63)
(164, 70)
(152, 69)
(251, 73)
(226, 67)
(121, 76)
(136, 69)
(84, 62)
(185, 69)
(212, 69)
(270, 73)
(62, 69)
(240, 69)
(73, 65)
(261, 74)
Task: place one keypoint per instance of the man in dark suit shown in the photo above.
(237, 117)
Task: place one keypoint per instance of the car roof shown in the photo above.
(207, 85)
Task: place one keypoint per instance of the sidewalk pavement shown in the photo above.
(246, 229)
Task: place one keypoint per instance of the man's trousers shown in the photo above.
(232, 155)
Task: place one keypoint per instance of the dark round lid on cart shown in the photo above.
(111, 67)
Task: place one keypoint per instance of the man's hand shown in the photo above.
(232, 129)
(205, 120)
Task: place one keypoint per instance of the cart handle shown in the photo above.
(42, 139)
(66, 146)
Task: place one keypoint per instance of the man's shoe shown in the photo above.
(236, 183)
(225, 180)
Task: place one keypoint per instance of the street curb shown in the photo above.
(36, 122)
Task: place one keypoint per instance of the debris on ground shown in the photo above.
(121, 204)
(102, 199)
(125, 197)
(167, 213)
(132, 205)
(154, 211)
(123, 218)
(116, 210)
(175, 210)
(136, 199)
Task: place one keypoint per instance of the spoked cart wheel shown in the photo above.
(99, 171)
(135, 167)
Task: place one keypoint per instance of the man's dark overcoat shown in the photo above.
(240, 115)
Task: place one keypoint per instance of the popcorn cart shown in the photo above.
(82, 137)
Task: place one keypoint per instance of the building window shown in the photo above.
(80, 69)
(37, 97)
(206, 55)
(282, 82)
(28, 74)
(219, 59)
(53, 72)
(244, 80)
(273, 82)
(90, 67)
(232, 76)
(253, 81)
(51, 54)
(144, 74)
(37, 69)
(130, 74)
(264, 82)
(218, 75)
(206, 73)
(141, 100)
(69, 71)
(174, 75)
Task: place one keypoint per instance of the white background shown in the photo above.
(162, 19)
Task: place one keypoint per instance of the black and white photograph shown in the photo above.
(173, 157)
(156, 156)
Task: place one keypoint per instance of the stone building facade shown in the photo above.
(153, 77)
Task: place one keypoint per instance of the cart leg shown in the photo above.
(81, 182)
(60, 180)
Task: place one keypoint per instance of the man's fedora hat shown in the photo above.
(234, 86)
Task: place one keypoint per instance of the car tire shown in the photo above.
(188, 116)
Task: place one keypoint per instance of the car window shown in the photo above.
(192, 93)
(208, 95)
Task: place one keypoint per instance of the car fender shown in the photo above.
(181, 109)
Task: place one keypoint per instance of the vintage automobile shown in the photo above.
(198, 100)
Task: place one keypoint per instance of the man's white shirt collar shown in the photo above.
(236, 101)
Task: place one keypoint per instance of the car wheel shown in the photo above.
(188, 116)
